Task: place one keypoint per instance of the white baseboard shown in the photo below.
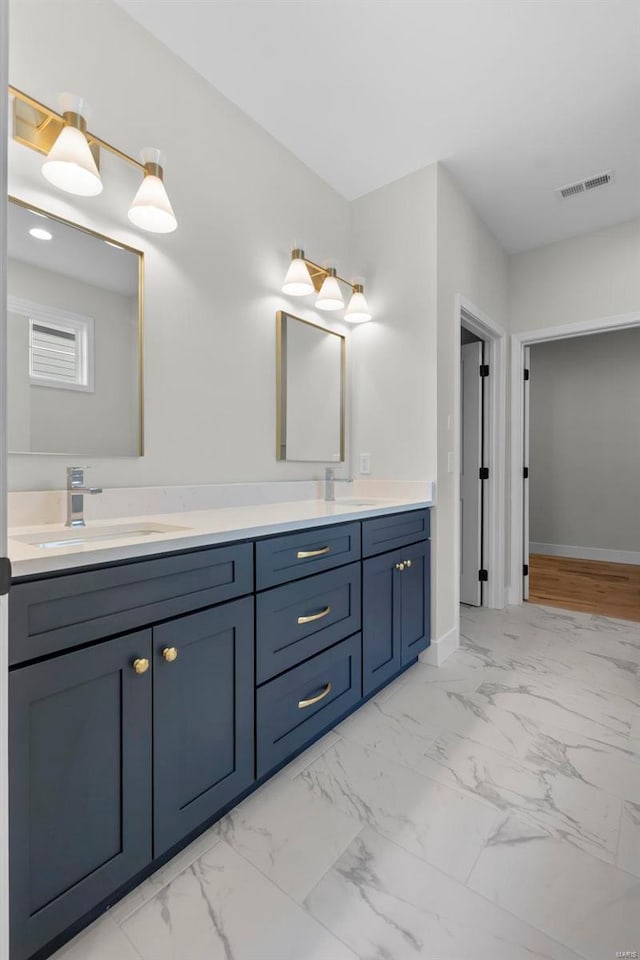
(441, 648)
(585, 553)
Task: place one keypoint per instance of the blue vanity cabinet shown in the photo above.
(293, 709)
(80, 784)
(203, 704)
(149, 696)
(396, 607)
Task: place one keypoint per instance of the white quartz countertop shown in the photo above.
(196, 528)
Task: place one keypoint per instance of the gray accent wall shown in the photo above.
(585, 441)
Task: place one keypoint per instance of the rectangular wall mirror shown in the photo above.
(74, 339)
(310, 391)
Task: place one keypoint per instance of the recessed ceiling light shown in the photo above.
(40, 234)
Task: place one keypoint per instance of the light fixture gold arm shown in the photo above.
(38, 126)
(319, 273)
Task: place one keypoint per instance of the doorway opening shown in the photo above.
(480, 371)
(474, 473)
(575, 527)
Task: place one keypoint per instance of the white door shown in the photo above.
(4, 643)
(470, 483)
(525, 474)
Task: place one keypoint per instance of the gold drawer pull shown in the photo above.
(170, 654)
(309, 703)
(141, 665)
(407, 563)
(400, 567)
(315, 616)
(304, 554)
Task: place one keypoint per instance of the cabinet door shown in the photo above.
(203, 706)
(415, 590)
(80, 784)
(381, 632)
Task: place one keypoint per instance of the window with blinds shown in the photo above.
(58, 354)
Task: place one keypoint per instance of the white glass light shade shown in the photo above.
(151, 208)
(298, 282)
(358, 309)
(330, 296)
(70, 165)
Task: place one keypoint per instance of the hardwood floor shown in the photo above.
(609, 589)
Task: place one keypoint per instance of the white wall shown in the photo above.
(51, 420)
(585, 441)
(212, 288)
(586, 278)
(394, 359)
(472, 264)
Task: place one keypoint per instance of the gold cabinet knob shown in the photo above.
(141, 665)
(400, 567)
(407, 563)
(170, 654)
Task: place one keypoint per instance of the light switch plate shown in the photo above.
(365, 464)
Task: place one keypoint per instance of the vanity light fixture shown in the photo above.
(70, 165)
(151, 208)
(73, 157)
(298, 282)
(330, 296)
(358, 309)
(304, 276)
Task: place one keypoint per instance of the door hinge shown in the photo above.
(5, 575)
(526, 373)
(525, 570)
(525, 473)
(484, 473)
(483, 576)
(484, 369)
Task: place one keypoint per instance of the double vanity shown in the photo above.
(160, 674)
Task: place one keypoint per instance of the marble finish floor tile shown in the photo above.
(289, 834)
(629, 845)
(103, 940)
(293, 768)
(554, 795)
(384, 903)
(455, 707)
(154, 884)
(222, 908)
(562, 804)
(612, 768)
(445, 827)
(487, 809)
(591, 907)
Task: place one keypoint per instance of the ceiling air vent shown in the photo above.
(581, 186)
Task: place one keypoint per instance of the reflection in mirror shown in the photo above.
(311, 391)
(74, 339)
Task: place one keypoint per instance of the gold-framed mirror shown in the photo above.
(74, 338)
(311, 391)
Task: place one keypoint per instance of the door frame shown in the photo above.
(4, 627)
(495, 338)
(518, 342)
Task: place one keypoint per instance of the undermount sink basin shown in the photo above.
(79, 536)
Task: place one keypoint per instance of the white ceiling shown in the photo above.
(516, 97)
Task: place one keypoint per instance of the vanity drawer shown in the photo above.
(294, 708)
(394, 530)
(300, 619)
(55, 613)
(281, 559)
